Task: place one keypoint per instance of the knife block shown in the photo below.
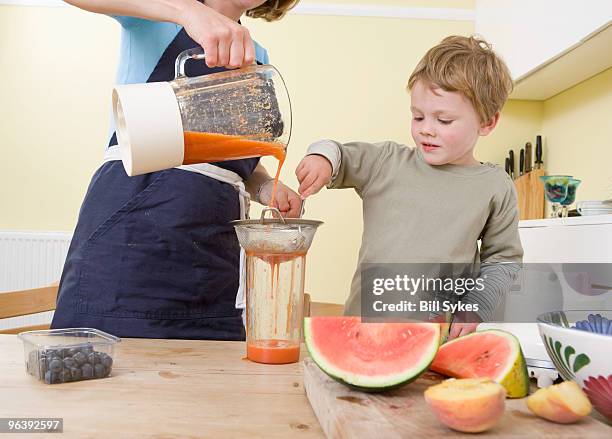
(530, 192)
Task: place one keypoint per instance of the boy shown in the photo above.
(432, 203)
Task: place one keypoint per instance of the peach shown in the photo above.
(470, 405)
(563, 403)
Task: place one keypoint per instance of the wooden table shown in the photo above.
(165, 388)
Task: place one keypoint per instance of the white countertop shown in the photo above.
(571, 221)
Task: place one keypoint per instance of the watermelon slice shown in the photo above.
(371, 356)
(491, 354)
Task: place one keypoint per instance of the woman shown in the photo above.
(154, 255)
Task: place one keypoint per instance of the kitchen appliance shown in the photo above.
(275, 268)
(229, 115)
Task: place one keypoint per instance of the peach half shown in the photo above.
(563, 403)
(470, 405)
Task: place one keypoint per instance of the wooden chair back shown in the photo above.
(25, 302)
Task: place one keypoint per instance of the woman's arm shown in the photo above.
(225, 42)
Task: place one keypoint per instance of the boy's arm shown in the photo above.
(501, 255)
(354, 164)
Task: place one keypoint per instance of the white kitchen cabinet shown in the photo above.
(549, 45)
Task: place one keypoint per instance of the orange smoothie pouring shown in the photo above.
(212, 147)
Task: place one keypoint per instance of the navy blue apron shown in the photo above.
(154, 255)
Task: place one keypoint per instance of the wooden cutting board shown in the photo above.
(403, 413)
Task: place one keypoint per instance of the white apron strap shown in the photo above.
(226, 176)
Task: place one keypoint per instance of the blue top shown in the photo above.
(148, 52)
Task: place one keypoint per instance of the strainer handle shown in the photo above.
(273, 210)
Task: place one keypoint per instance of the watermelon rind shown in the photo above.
(379, 383)
(514, 377)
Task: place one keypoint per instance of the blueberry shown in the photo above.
(51, 378)
(73, 351)
(65, 376)
(80, 358)
(69, 363)
(56, 365)
(87, 371)
(106, 359)
(87, 349)
(93, 358)
(76, 374)
(50, 353)
(99, 371)
(60, 352)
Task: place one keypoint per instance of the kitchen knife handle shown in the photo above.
(538, 152)
(521, 161)
(528, 157)
(511, 159)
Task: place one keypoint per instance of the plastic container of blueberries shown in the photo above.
(57, 356)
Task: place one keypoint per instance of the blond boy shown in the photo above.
(434, 202)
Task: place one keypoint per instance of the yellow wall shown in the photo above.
(519, 123)
(577, 136)
(344, 84)
(57, 68)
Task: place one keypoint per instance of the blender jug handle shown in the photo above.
(183, 57)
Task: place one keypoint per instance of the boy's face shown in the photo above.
(445, 125)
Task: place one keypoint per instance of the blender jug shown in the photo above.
(229, 115)
(276, 263)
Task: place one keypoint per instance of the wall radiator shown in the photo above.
(30, 260)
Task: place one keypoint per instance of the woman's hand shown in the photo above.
(313, 172)
(225, 42)
(286, 200)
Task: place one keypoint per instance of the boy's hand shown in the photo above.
(313, 172)
(286, 200)
(463, 323)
